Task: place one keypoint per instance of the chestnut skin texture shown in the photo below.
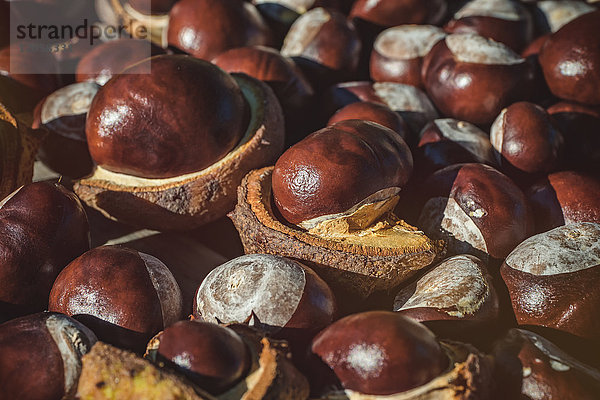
(380, 352)
(387, 13)
(373, 112)
(110, 58)
(43, 227)
(213, 356)
(570, 59)
(337, 167)
(180, 118)
(207, 28)
(564, 198)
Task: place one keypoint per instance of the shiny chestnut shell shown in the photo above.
(166, 116)
(372, 112)
(380, 352)
(387, 13)
(337, 167)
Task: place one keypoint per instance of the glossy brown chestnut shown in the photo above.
(398, 53)
(43, 228)
(476, 209)
(373, 112)
(380, 353)
(123, 295)
(526, 141)
(41, 356)
(388, 13)
(166, 116)
(338, 167)
(212, 356)
(110, 58)
(205, 29)
(550, 16)
(325, 45)
(552, 279)
(564, 198)
(530, 366)
(63, 115)
(272, 292)
(472, 78)
(505, 21)
(570, 60)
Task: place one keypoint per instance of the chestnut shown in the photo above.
(551, 15)
(530, 366)
(570, 59)
(447, 141)
(63, 116)
(123, 295)
(212, 356)
(505, 21)
(152, 7)
(372, 112)
(552, 279)
(388, 13)
(205, 29)
(472, 78)
(43, 228)
(398, 53)
(110, 58)
(324, 45)
(172, 137)
(564, 198)
(526, 141)
(476, 209)
(41, 356)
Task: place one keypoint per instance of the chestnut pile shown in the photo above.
(415, 185)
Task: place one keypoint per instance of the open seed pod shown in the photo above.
(269, 374)
(165, 188)
(155, 24)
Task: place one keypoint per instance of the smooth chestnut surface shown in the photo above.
(473, 78)
(550, 16)
(43, 227)
(41, 356)
(387, 13)
(206, 28)
(570, 60)
(552, 279)
(123, 295)
(337, 167)
(110, 58)
(476, 209)
(380, 352)
(373, 112)
(564, 198)
(213, 356)
(181, 117)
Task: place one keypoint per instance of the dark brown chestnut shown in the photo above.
(551, 15)
(388, 13)
(43, 227)
(570, 59)
(398, 53)
(473, 78)
(166, 116)
(380, 353)
(476, 209)
(212, 356)
(564, 198)
(205, 29)
(41, 356)
(123, 295)
(339, 168)
(373, 112)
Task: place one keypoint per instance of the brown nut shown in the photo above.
(51, 368)
(63, 115)
(152, 7)
(372, 112)
(530, 366)
(570, 60)
(550, 16)
(564, 198)
(43, 228)
(205, 29)
(476, 209)
(504, 21)
(398, 53)
(552, 279)
(206, 128)
(123, 295)
(472, 78)
(212, 356)
(388, 13)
